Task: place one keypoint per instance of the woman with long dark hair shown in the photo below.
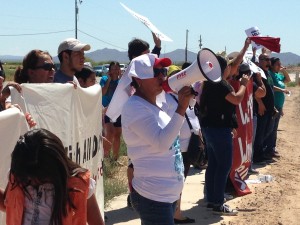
(46, 187)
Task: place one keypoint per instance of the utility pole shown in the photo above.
(186, 44)
(200, 42)
(76, 16)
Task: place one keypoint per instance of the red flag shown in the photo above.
(271, 43)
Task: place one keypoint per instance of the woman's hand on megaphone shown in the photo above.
(184, 96)
(244, 80)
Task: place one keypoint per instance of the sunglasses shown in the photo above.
(162, 71)
(47, 67)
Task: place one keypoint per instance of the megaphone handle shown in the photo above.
(194, 92)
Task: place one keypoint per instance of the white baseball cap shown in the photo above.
(73, 45)
(142, 66)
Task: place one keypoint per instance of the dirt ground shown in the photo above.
(274, 203)
(278, 202)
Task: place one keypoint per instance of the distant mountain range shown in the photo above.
(177, 56)
(287, 58)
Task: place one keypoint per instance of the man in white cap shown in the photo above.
(71, 56)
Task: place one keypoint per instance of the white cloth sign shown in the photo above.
(148, 24)
(253, 32)
(75, 116)
(121, 95)
(12, 125)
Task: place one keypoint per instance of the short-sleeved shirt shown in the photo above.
(60, 77)
(106, 99)
(279, 97)
(215, 110)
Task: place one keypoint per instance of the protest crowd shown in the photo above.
(199, 125)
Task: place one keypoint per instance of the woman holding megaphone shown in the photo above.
(152, 141)
(218, 123)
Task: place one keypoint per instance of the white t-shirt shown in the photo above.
(153, 147)
(170, 106)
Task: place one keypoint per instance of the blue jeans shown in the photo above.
(261, 135)
(220, 152)
(253, 137)
(153, 212)
(270, 142)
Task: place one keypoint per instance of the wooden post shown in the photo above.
(297, 78)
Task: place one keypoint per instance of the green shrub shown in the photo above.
(291, 84)
(114, 175)
(10, 69)
(114, 179)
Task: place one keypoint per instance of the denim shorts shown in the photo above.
(153, 212)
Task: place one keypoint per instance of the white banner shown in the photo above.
(75, 116)
(12, 125)
(253, 32)
(148, 24)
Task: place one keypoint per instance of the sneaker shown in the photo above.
(267, 156)
(228, 197)
(224, 210)
(252, 171)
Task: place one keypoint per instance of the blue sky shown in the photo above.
(221, 23)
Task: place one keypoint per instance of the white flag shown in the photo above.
(148, 24)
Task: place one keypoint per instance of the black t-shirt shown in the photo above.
(268, 100)
(215, 110)
(255, 105)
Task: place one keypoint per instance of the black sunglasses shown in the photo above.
(162, 71)
(47, 66)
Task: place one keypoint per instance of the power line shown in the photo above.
(33, 34)
(101, 40)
